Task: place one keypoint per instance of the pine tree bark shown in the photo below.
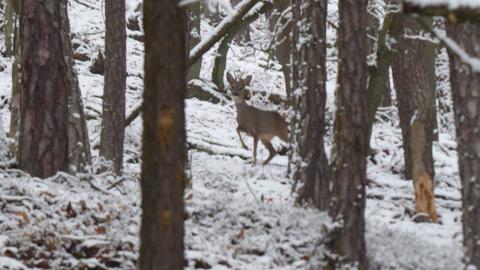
(466, 97)
(53, 133)
(350, 147)
(415, 87)
(164, 150)
(310, 163)
(113, 115)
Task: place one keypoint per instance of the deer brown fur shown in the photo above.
(261, 125)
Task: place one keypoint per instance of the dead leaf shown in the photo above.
(24, 216)
(101, 230)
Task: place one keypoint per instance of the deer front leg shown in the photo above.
(241, 139)
(255, 143)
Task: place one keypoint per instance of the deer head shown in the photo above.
(237, 87)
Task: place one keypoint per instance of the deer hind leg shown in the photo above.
(241, 139)
(255, 143)
(271, 150)
(424, 199)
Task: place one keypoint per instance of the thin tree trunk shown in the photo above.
(113, 115)
(194, 37)
(220, 62)
(16, 71)
(348, 156)
(282, 27)
(164, 137)
(79, 154)
(12, 14)
(415, 86)
(308, 124)
(379, 78)
(466, 96)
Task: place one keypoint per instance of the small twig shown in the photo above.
(250, 189)
(86, 5)
(117, 183)
(10, 199)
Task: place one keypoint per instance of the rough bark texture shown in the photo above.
(52, 128)
(348, 156)
(466, 98)
(310, 163)
(415, 87)
(194, 37)
(113, 115)
(164, 150)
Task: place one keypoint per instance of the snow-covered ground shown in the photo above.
(239, 216)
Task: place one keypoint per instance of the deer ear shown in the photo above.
(230, 78)
(247, 80)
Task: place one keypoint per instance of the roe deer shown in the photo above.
(261, 125)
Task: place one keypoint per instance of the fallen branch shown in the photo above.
(133, 115)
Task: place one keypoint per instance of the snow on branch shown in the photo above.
(454, 10)
(453, 47)
(236, 15)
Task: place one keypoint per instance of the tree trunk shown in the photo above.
(12, 14)
(379, 79)
(415, 86)
(310, 163)
(113, 116)
(348, 156)
(220, 62)
(78, 143)
(164, 137)
(466, 96)
(281, 26)
(52, 126)
(12, 39)
(194, 37)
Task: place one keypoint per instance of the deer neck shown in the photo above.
(240, 103)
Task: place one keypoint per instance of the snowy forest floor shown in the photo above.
(239, 216)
